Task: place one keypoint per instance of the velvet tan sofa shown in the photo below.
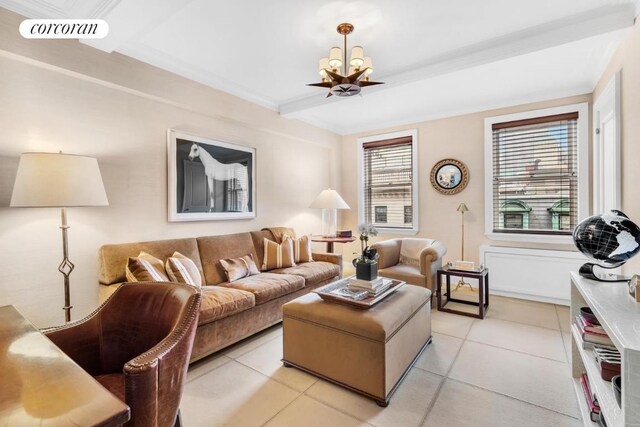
(229, 311)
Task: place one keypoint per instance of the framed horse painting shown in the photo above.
(209, 179)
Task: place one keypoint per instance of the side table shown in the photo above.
(483, 291)
(331, 240)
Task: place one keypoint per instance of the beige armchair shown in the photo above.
(415, 261)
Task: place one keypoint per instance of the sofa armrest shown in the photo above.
(388, 251)
(329, 257)
(431, 254)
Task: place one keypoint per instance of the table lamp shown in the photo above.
(47, 180)
(329, 201)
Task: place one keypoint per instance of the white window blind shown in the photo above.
(388, 183)
(535, 175)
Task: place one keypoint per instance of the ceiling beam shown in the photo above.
(555, 33)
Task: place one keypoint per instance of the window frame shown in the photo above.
(582, 163)
(413, 133)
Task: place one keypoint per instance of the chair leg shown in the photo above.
(178, 422)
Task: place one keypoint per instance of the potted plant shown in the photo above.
(366, 264)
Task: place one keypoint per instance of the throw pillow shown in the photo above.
(237, 268)
(302, 249)
(181, 269)
(145, 268)
(278, 255)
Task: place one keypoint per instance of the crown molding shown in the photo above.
(562, 31)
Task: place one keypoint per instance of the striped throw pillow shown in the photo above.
(302, 249)
(237, 268)
(278, 255)
(181, 269)
(145, 268)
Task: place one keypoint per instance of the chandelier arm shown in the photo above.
(346, 65)
(364, 83)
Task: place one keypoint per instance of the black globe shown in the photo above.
(610, 239)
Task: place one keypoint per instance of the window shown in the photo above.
(408, 214)
(388, 182)
(535, 163)
(381, 214)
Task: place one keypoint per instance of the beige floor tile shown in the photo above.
(564, 316)
(407, 408)
(521, 301)
(233, 395)
(266, 359)
(440, 354)
(208, 364)
(543, 382)
(533, 340)
(307, 412)
(254, 341)
(461, 405)
(450, 324)
(529, 312)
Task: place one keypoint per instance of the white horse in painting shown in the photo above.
(213, 169)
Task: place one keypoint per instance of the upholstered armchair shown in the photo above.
(137, 345)
(414, 261)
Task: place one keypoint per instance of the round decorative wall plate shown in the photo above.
(449, 176)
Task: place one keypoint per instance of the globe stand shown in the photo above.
(587, 270)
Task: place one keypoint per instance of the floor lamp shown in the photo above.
(329, 201)
(462, 208)
(46, 180)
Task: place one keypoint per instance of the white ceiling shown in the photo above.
(438, 58)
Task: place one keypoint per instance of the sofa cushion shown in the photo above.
(312, 272)
(113, 258)
(145, 268)
(302, 249)
(237, 268)
(278, 255)
(181, 269)
(405, 272)
(219, 302)
(268, 286)
(214, 248)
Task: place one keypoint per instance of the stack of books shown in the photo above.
(592, 333)
(372, 287)
(592, 401)
(608, 360)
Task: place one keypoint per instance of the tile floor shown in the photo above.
(510, 369)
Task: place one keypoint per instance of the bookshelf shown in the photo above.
(619, 315)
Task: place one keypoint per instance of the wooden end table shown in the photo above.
(483, 291)
(331, 240)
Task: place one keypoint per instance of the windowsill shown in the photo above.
(531, 238)
(405, 231)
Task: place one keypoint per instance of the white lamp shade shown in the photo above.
(329, 199)
(335, 57)
(357, 56)
(322, 66)
(368, 64)
(58, 180)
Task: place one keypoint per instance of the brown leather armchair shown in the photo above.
(137, 345)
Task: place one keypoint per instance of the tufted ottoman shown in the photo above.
(367, 351)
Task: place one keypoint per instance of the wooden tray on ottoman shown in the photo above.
(363, 304)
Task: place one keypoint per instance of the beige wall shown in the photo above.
(62, 95)
(461, 138)
(627, 61)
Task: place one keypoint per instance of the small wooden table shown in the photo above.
(331, 240)
(41, 385)
(483, 291)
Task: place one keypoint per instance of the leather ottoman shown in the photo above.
(367, 351)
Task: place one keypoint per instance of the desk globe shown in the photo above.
(609, 240)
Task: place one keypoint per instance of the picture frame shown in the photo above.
(209, 179)
(449, 176)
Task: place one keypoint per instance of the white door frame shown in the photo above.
(606, 110)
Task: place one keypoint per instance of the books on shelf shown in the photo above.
(594, 409)
(608, 360)
(592, 337)
(594, 328)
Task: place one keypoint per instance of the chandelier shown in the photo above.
(345, 78)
